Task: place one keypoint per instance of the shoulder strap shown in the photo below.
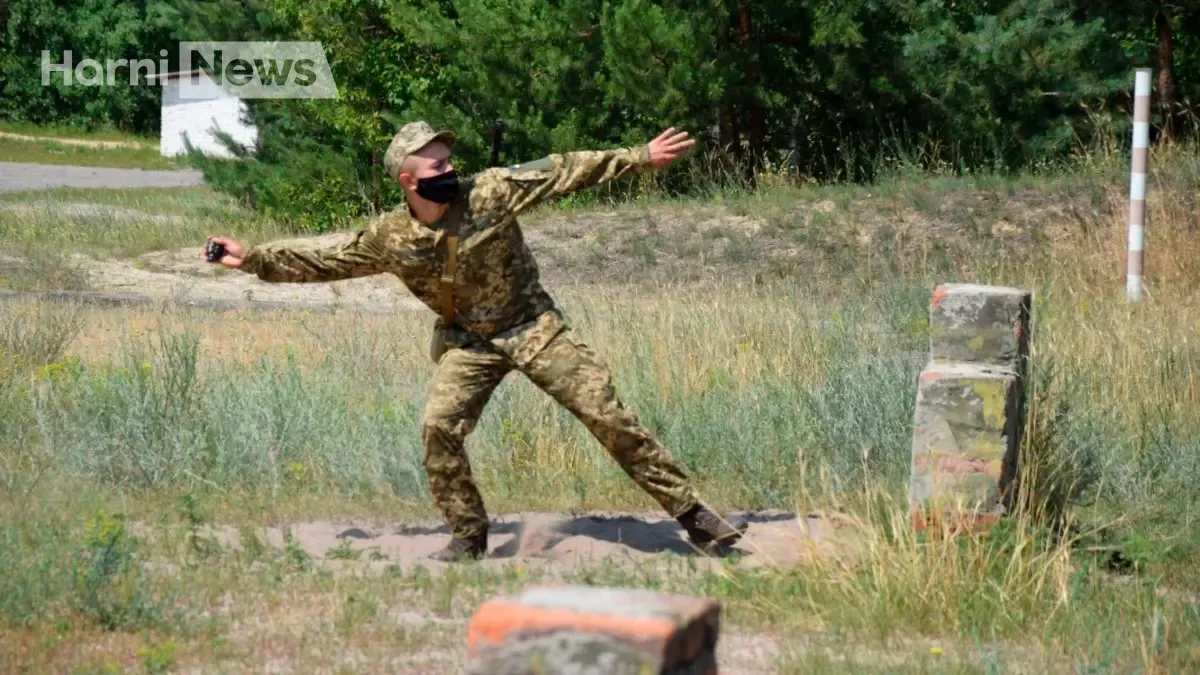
(453, 221)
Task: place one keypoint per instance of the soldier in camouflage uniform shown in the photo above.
(458, 247)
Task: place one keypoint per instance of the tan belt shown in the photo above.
(453, 220)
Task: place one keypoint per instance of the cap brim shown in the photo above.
(445, 136)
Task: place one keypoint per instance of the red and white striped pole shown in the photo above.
(1135, 268)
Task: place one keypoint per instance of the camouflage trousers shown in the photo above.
(575, 377)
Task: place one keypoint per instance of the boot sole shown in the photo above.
(465, 557)
(725, 541)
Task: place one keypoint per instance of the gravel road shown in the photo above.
(17, 177)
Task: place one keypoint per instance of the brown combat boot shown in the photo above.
(706, 528)
(461, 549)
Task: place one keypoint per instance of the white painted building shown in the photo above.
(206, 107)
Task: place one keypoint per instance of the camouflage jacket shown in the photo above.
(498, 295)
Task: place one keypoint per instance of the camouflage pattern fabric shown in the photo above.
(575, 377)
(504, 320)
(497, 291)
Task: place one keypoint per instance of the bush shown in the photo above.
(109, 585)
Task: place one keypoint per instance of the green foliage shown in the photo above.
(1134, 25)
(306, 174)
(294, 554)
(199, 544)
(109, 585)
(95, 29)
(159, 658)
(1055, 473)
(36, 337)
(33, 585)
(143, 410)
(253, 548)
(343, 551)
(320, 162)
(828, 90)
(1005, 84)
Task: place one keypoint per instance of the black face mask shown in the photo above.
(442, 188)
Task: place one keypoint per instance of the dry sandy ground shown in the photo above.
(183, 277)
(567, 247)
(81, 142)
(558, 544)
(555, 543)
(564, 542)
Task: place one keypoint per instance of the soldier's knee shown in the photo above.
(443, 430)
(434, 429)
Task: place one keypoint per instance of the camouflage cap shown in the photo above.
(411, 138)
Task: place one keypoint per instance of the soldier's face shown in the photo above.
(431, 160)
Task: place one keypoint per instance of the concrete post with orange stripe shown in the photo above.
(970, 404)
(1135, 262)
(587, 630)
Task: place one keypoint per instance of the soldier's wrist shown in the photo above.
(642, 154)
(252, 260)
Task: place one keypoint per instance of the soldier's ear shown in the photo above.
(406, 181)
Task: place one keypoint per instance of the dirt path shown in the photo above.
(562, 542)
(559, 545)
(16, 177)
(183, 278)
(81, 142)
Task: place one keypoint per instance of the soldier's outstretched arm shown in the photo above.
(525, 185)
(361, 254)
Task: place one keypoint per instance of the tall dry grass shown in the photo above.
(791, 391)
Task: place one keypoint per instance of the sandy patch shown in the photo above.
(183, 278)
(81, 142)
(566, 542)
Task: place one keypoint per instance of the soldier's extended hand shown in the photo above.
(669, 146)
(235, 252)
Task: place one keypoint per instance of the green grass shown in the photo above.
(119, 223)
(771, 407)
(40, 269)
(50, 152)
(180, 201)
(791, 390)
(76, 133)
(926, 228)
(162, 416)
(83, 589)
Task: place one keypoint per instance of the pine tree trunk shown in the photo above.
(728, 136)
(1166, 72)
(730, 139)
(754, 109)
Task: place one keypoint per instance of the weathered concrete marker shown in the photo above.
(588, 631)
(970, 403)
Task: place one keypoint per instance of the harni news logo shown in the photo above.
(243, 69)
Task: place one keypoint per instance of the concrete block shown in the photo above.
(966, 436)
(585, 630)
(980, 324)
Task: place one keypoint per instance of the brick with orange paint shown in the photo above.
(953, 523)
(987, 325)
(970, 413)
(938, 294)
(561, 629)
